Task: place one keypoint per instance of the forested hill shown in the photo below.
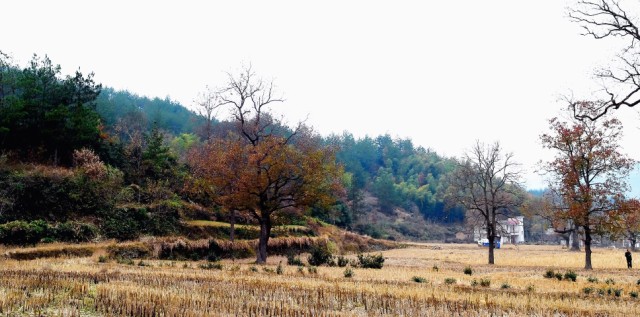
(73, 150)
(114, 106)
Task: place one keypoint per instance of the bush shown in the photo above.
(125, 223)
(468, 270)
(312, 270)
(485, 282)
(450, 280)
(342, 261)
(435, 268)
(592, 279)
(23, 233)
(474, 282)
(558, 276)
(587, 290)
(633, 294)
(371, 261)
(419, 279)
(320, 255)
(549, 274)
(570, 275)
(348, 273)
(610, 281)
(294, 260)
(73, 231)
(505, 286)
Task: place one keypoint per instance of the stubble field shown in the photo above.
(419, 280)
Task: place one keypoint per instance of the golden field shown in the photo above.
(419, 280)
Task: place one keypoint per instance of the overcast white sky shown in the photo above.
(443, 73)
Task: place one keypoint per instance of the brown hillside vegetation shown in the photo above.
(420, 280)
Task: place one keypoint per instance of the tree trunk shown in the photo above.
(265, 232)
(587, 248)
(633, 242)
(491, 237)
(575, 243)
(232, 232)
(567, 240)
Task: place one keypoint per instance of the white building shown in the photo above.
(510, 230)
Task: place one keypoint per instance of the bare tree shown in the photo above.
(487, 184)
(607, 19)
(208, 102)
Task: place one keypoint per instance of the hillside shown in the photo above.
(79, 161)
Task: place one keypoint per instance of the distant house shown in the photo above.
(510, 230)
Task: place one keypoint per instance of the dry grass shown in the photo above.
(85, 287)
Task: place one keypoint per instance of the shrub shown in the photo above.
(610, 281)
(301, 269)
(468, 270)
(72, 231)
(531, 288)
(435, 268)
(549, 274)
(633, 294)
(505, 286)
(23, 233)
(474, 282)
(638, 282)
(102, 259)
(371, 261)
(294, 260)
(617, 292)
(320, 255)
(253, 269)
(450, 280)
(587, 290)
(419, 279)
(558, 276)
(570, 275)
(125, 223)
(348, 273)
(312, 270)
(601, 292)
(592, 279)
(342, 261)
(485, 282)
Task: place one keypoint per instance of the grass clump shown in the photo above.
(371, 261)
(592, 279)
(211, 266)
(450, 280)
(419, 279)
(467, 270)
(485, 282)
(348, 273)
(549, 274)
(570, 276)
(505, 286)
(587, 290)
